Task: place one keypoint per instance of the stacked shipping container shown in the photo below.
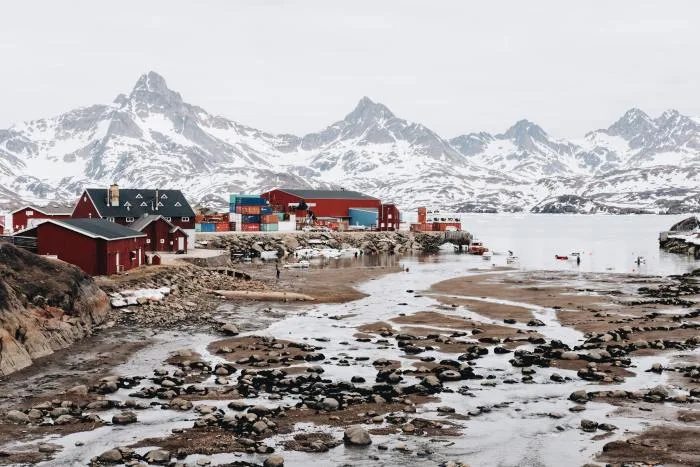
(248, 212)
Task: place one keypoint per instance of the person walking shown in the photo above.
(277, 271)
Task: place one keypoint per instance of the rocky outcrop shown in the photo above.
(45, 305)
(682, 238)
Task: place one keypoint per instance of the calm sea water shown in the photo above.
(606, 243)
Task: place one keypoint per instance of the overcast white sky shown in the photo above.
(297, 66)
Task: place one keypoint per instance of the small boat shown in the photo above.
(640, 260)
(477, 248)
(487, 255)
(561, 257)
(301, 264)
(512, 259)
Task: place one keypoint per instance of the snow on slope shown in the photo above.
(152, 137)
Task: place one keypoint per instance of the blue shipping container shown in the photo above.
(363, 217)
(208, 227)
(250, 219)
(234, 197)
(266, 210)
(251, 202)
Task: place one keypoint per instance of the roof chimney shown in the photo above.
(113, 199)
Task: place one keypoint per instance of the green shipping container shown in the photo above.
(234, 196)
(198, 227)
(280, 215)
(269, 227)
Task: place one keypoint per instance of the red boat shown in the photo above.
(477, 248)
(560, 257)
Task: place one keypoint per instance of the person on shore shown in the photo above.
(578, 261)
(277, 271)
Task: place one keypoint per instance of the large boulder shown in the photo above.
(158, 456)
(356, 436)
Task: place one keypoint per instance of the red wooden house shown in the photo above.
(125, 206)
(97, 246)
(323, 203)
(161, 235)
(29, 216)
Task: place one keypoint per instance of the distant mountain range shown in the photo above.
(153, 138)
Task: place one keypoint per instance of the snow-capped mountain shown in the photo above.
(153, 138)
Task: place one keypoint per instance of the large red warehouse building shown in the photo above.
(97, 246)
(323, 203)
(334, 204)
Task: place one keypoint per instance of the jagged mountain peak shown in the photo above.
(151, 89)
(525, 129)
(633, 123)
(368, 110)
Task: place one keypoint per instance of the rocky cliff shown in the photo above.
(45, 305)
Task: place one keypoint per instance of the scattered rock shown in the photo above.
(356, 436)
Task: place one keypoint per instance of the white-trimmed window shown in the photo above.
(164, 196)
(127, 204)
(168, 218)
(390, 216)
(160, 205)
(177, 204)
(148, 241)
(185, 219)
(130, 219)
(162, 241)
(30, 212)
(144, 204)
(111, 219)
(138, 196)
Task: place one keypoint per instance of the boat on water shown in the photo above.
(300, 264)
(477, 248)
(512, 259)
(562, 257)
(487, 255)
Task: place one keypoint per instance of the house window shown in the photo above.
(164, 196)
(127, 204)
(144, 204)
(160, 204)
(185, 219)
(167, 219)
(30, 213)
(178, 204)
(138, 196)
(162, 240)
(130, 219)
(148, 241)
(391, 216)
(111, 219)
(84, 199)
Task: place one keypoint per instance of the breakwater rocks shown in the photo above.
(45, 305)
(286, 243)
(682, 238)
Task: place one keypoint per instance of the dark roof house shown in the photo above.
(119, 203)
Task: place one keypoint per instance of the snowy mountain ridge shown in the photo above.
(153, 138)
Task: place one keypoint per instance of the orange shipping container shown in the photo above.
(250, 210)
(422, 214)
(222, 227)
(269, 219)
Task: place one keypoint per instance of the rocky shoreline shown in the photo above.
(398, 379)
(286, 243)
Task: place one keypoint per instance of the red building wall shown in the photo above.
(389, 217)
(324, 207)
(125, 248)
(84, 209)
(70, 247)
(20, 219)
(93, 255)
(160, 230)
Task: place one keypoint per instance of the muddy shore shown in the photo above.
(419, 371)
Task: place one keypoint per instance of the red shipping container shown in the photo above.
(250, 227)
(269, 219)
(222, 227)
(250, 210)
